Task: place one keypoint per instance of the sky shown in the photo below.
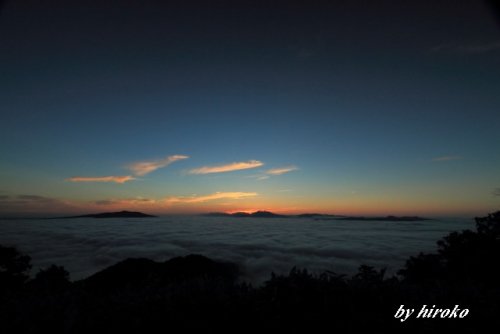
(167, 107)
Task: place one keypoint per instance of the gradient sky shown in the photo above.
(383, 107)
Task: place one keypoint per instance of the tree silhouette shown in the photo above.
(51, 279)
(14, 268)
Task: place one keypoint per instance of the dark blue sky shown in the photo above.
(347, 106)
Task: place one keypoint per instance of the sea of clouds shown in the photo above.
(259, 246)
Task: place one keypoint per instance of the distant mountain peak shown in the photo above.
(118, 214)
(256, 214)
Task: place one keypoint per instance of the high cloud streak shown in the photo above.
(227, 168)
(126, 201)
(146, 167)
(211, 197)
(116, 179)
(34, 204)
(280, 171)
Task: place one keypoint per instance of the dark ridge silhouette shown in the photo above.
(120, 214)
(316, 216)
(194, 294)
(135, 273)
(256, 214)
(240, 214)
(266, 214)
(386, 218)
(216, 214)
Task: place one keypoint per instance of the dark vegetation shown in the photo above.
(196, 294)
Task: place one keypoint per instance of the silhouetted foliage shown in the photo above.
(14, 268)
(463, 257)
(53, 278)
(196, 294)
(423, 269)
(369, 274)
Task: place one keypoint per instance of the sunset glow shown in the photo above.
(336, 111)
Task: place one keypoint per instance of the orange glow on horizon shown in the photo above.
(247, 202)
(222, 202)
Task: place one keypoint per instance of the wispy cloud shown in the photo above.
(126, 201)
(470, 48)
(211, 197)
(496, 192)
(280, 171)
(35, 198)
(116, 179)
(105, 202)
(146, 167)
(227, 168)
(33, 203)
(447, 158)
(273, 172)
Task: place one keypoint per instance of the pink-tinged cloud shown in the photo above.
(280, 171)
(116, 179)
(146, 167)
(227, 168)
(447, 158)
(211, 197)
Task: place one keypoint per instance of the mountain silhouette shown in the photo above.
(120, 214)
